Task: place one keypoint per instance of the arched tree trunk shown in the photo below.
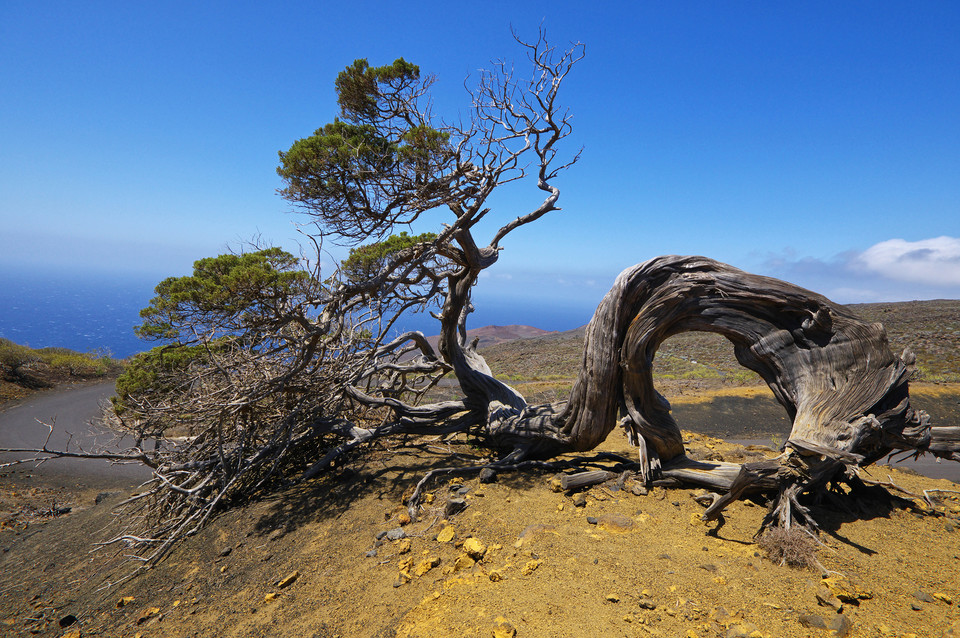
(846, 393)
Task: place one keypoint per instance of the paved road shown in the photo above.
(72, 411)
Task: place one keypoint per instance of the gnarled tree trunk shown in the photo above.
(845, 392)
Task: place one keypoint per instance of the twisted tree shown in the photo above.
(271, 370)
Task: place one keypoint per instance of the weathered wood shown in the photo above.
(584, 479)
(845, 392)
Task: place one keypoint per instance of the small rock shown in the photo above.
(462, 562)
(225, 551)
(710, 567)
(446, 534)
(579, 500)
(454, 506)
(741, 630)
(404, 545)
(616, 523)
(487, 475)
(147, 614)
(123, 602)
(503, 629)
(426, 565)
(845, 590)
(664, 556)
(530, 567)
(812, 621)
(288, 580)
(943, 598)
(102, 496)
(67, 620)
(638, 489)
(463, 491)
(395, 534)
(924, 596)
(841, 626)
(613, 598)
(916, 607)
(474, 548)
(271, 596)
(495, 576)
(403, 518)
(371, 554)
(592, 520)
(826, 598)
(647, 603)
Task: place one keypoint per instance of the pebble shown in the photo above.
(638, 490)
(454, 506)
(395, 534)
(474, 548)
(446, 534)
(826, 598)
(426, 565)
(592, 520)
(579, 500)
(617, 523)
(288, 579)
(503, 629)
(812, 621)
(924, 596)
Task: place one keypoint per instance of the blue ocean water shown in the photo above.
(85, 313)
(97, 312)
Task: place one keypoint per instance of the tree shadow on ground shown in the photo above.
(389, 470)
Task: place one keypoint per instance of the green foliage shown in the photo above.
(225, 294)
(16, 360)
(358, 86)
(382, 164)
(14, 357)
(366, 261)
(156, 371)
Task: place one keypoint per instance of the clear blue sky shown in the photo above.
(817, 142)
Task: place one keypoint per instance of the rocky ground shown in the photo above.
(339, 557)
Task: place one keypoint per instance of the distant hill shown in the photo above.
(492, 335)
(930, 328)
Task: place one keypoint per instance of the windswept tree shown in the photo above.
(271, 370)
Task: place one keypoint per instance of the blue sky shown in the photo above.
(817, 142)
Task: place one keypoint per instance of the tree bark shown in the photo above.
(834, 374)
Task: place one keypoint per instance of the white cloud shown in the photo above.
(928, 261)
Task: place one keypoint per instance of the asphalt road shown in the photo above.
(71, 411)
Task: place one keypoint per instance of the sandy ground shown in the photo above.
(521, 560)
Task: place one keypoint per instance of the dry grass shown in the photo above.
(792, 547)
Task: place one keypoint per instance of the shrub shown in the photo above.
(14, 357)
(793, 547)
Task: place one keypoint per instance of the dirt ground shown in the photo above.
(521, 559)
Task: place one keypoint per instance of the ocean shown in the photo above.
(88, 313)
(97, 313)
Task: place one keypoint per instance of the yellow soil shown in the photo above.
(544, 570)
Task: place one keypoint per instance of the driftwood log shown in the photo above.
(845, 392)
